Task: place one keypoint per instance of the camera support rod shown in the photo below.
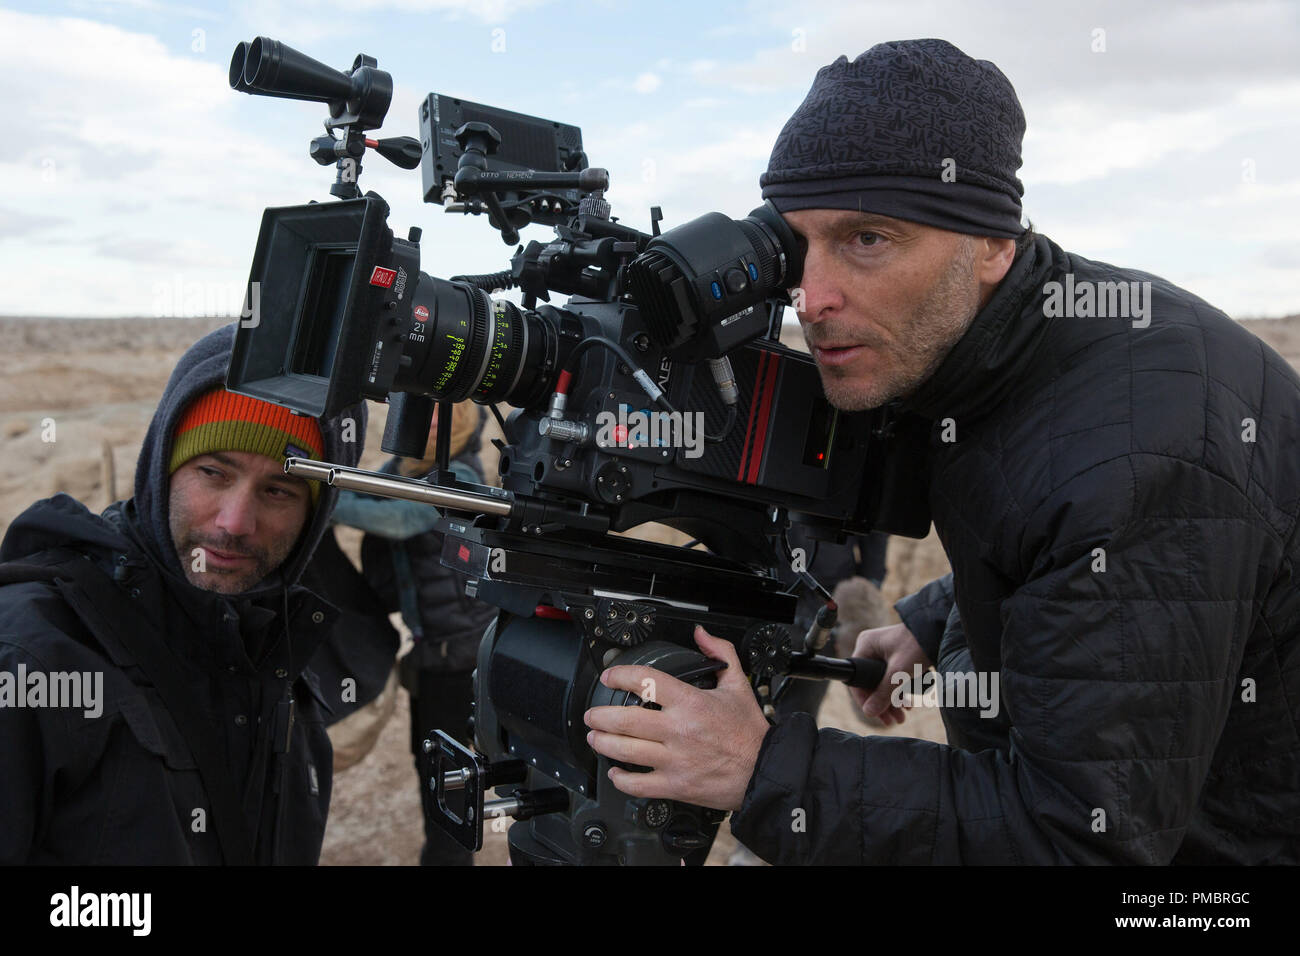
(532, 517)
(526, 804)
(356, 479)
(521, 806)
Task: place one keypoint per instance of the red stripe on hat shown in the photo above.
(223, 406)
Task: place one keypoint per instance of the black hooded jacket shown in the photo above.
(124, 786)
(1119, 507)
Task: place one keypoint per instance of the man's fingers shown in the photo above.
(652, 686)
(646, 753)
(872, 702)
(868, 644)
(628, 721)
(895, 646)
(721, 650)
(637, 784)
(878, 701)
(890, 716)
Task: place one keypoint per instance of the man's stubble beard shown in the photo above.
(214, 579)
(936, 325)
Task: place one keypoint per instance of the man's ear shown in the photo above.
(993, 258)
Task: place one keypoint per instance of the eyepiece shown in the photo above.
(274, 69)
(699, 284)
(237, 68)
(268, 67)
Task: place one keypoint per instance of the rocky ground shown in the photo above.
(76, 396)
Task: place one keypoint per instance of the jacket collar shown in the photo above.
(998, 348)
(273, 605)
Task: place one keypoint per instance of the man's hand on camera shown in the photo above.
(896, 646)
(702, 745)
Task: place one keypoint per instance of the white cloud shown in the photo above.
(1075, 141)
(489, 11)
(646, 83)
(135, 159)
(688, 174)
(118, 119)
(117, 7)
(1134, 154)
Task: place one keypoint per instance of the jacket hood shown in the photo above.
(60, 521)
(147, 516)
(144, 520)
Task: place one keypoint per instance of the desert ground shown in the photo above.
(76, 396)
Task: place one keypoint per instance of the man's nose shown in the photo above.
(237, 515)
(819, 289)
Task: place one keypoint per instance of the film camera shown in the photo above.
(657, 392)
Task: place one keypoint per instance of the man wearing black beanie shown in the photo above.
(1113, 478)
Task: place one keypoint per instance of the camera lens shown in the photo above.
(461, 345)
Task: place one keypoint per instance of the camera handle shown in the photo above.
(406, 431)
(864, 672)
(474, 179)
(345, 153)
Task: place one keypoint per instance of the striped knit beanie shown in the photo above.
(223, 421)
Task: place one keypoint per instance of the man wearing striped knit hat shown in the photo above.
(230, 502)
(197, 733)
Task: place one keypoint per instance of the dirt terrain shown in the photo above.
(76, 396)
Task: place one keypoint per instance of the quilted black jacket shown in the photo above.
(1118, 504)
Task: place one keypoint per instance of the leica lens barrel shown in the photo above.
(463, 345)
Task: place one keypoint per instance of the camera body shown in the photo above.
(346, 314)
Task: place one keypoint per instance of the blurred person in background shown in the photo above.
(401, 558)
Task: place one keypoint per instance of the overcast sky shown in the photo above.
(1161, 136)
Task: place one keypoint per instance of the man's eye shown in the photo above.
(209, 471)
(867, 239)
